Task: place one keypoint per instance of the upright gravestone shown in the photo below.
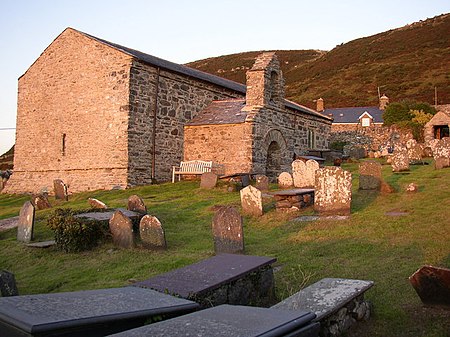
(8, 285)
(285, 180)
(432, 284)
(227, 231)
(60, 190)
(370, 175)
(400, 159)
(414, 150)
(40, 201)
(121, 229)
(26, 223)
(303, 173)
(97, 204)
(262, 182)
(136, 204)
(333, 191)
(441, 153)
(251, 201)
(152, 233)
(208, 180)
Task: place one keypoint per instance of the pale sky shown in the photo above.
(183, 31)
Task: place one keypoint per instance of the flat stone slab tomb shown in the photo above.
(86, 313)
(337, 303)
(106, 215)
(294, 198)
(221, 279)
(233, 321)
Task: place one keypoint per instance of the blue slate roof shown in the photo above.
(352, 114)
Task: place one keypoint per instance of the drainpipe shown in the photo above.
(155, 113)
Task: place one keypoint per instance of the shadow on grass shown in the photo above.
(363, 199)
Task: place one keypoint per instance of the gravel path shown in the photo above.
(8, 223)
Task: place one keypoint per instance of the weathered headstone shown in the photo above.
(333, 191)
(97, 204)
(208, 180)
(227, 231)
(303, 173)
(432, 284)
(441, 153)
(262, 182)
(400, 159)
(40, 201)
(136, 204)
(414, 150)
(26, 223)
(152, 233)
(285, 180)
(370, 175)
(121, 229)
(60, 190)
(8, 285)
(251, 201)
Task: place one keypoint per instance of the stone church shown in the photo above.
(100, 116)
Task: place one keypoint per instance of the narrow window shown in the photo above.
(311, 139)
(63, 144)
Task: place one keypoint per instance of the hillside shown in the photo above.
(406, 63)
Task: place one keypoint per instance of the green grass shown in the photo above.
(369, 245)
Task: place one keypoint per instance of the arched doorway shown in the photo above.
(275, 153)
(273, 160)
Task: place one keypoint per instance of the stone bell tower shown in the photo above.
(265, 82)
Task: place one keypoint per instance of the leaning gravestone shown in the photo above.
(432, 284)
(8, 285)
(262, 182)
(251, 201)
(208, 180)
(152, 233)
(40, 201)
(121, 229)
(26, 223)
(227, 231)
(60, 190)
(400, 160)
(97, 204)
(285, 180)
(333, 191)
(136, 204)
(370, 175)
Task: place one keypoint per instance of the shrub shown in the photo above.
(338, 145)
(73, 234)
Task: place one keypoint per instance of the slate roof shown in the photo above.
(198, 74)
(221, 112)
(352, 114)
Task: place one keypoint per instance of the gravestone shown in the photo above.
(370, 175)
(26, 223)
(8, 285)
(208, 180)
(414, 150)
(412, 188)
(136, 204)
(245, 180)
(262, 182)
(40, 201)
(400, 159)
(303, 173)
(152, 233)
(441, 153)
(227, 231)
(285, 180)
(432, 284)
(97, 204)
(333, 191)
(121, 229)
(60, 190)
(251, 201)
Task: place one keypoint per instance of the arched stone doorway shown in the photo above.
(275, 153)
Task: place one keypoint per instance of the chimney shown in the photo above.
(384, 101)
(320, 105)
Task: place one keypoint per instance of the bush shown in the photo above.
(338, 145)
(73, 234)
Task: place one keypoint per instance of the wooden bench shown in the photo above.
(337, 303)
(194, 167)
(221, 279)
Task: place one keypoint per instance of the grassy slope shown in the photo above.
(407, 63)
(370, 245)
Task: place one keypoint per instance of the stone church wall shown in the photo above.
(72, 118)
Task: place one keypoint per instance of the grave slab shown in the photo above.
(85, 313)
(232, 321)
(326, 296)
(105, 216)
(208, 180)
(42, 244)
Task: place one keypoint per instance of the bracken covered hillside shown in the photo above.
(406, 63)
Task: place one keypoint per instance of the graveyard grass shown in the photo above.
(370, 245)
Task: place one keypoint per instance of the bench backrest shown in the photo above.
(196, 166)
